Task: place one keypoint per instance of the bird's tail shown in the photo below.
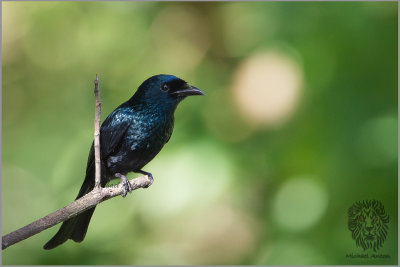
(76, 227)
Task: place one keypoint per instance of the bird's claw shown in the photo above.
(151, 180)
(149, 176)
(126, 185)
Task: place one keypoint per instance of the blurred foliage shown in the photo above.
(261, 170)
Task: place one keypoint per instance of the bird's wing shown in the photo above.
(112, 131)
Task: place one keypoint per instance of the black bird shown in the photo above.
(130, 137)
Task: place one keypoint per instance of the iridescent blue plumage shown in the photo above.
(130, 137)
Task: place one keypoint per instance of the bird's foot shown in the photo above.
(151, 180)
(148, 175)
(126, 185)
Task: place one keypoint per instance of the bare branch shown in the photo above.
(97, 133)
(94, 197)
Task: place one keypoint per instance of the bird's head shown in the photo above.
(164, 90)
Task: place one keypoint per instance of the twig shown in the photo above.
(89, 200)
(97, 133)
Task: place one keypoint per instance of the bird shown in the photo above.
(130, 137)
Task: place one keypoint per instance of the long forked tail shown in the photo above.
(76, 227)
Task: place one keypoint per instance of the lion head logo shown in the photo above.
(368, 224)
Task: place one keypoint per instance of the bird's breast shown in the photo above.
(149, 133)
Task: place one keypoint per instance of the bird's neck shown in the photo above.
(165, 110)
(153, 105)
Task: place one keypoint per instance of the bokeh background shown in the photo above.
(299, 121)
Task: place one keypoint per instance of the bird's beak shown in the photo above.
(187, 90)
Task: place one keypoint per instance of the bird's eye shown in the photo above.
(164, 87)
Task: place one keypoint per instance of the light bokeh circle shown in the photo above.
(267, 87)
(299, 204)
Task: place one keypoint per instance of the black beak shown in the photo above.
(187, 90)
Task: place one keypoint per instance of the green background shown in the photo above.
(298, 122)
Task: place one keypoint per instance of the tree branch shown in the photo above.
(91, 199)
(94, 197)
(97, 133)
